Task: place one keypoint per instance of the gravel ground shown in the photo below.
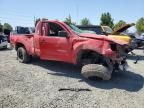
(36, 85)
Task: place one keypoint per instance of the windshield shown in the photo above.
(75, 29)
(79, 31)
(95, 29)
(107, 29)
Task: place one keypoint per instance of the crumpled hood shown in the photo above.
(103, 37)
(121, 37)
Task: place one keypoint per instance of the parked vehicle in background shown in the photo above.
(105, 30)
(24, 30)
(7, 34)
(3, 41)
(98, 54)
(142, 35)
(137, 41)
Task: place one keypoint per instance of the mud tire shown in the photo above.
(96, 70)
(23, 56)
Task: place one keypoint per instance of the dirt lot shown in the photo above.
(36, 85)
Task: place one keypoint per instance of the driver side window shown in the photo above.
(54, 29)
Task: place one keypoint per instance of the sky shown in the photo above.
(23, 12)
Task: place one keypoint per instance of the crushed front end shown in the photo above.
(115, 56)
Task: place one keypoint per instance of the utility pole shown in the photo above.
(34, 21)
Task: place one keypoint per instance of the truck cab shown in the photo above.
(52, 41)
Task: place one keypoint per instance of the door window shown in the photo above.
(54, 29)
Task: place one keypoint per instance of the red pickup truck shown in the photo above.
(54, 40)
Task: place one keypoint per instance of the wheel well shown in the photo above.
(88, 54)
(19, 45)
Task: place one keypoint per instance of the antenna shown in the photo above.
(34, 21)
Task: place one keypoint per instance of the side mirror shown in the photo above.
(63, 34)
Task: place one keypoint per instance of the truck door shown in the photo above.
(53, 45)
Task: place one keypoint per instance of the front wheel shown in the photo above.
(22, 55)
(96, 70)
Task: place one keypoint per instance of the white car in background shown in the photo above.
(3, 42)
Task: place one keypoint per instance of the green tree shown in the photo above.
(85, 21)
(106, 20)
(140, 25)
(68, 20)
(119, 24)
(7, 26)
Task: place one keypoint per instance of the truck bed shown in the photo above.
(23, 39)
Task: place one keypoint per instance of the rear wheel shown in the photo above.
(22, 55)
(95, 70)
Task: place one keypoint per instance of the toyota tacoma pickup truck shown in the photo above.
(98, 56)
